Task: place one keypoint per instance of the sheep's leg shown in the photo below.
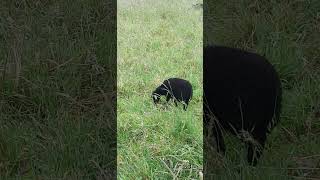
(255, 149)
(168, 98)
(207, 133)
(216, 130)
(175, 102)
(185, 107)
(213, 130)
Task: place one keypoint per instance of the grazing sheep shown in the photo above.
(242, 95)
(176, 89)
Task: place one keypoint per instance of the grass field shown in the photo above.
(288, 34)
(57, 93)
(158, 40)
(57, 90)
(153, 39)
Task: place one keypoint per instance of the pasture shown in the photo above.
(158, 40)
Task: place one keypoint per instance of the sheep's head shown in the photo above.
(158, 92)
(156, 97)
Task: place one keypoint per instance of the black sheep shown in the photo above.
(176, 89)
(242, 94)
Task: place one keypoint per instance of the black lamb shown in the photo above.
(174, 88)
(242, 95)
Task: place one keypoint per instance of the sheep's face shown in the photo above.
(160, 91)
(155, 97)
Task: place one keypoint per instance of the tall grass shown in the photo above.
(286, 33)
(57, 89)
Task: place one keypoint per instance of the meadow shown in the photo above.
(58, 93)
(158, 40)
(154, 43)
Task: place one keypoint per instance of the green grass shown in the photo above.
(286, 33)
(57, 82)
(158, 40)
(57, 62)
